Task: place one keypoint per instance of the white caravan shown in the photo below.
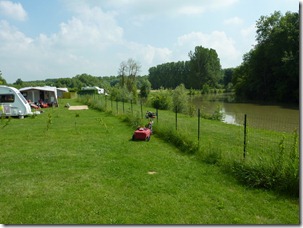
(99, 90)
(13, 103)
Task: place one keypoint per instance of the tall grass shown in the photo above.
(277, 169)
(280, 172)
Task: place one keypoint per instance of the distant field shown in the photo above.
(80, 167)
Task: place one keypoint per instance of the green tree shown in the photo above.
(145, 88)
(205, 67)
(170, 75)
(127, 72)
(18, 82)
(2, 80)
(270, 71)
(63, 83)
(227, 76)
(122, 73)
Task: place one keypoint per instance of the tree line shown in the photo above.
(270, 71)
(74, 83)
(202, 69)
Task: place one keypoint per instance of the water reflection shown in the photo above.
(230, 118)
(273, 117)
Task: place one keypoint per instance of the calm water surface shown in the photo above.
(273, 117)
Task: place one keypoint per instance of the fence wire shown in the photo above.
(265, 135)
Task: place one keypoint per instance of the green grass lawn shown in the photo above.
(80, 167)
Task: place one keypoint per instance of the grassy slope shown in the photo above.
(84, 170)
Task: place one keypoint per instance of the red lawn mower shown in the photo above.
(144, 133)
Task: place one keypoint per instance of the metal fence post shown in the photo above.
(198, 128)
(105, 102)
(141, 110)
(176, 118)
(245, 135)
(117, 106)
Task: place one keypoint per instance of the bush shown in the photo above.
(205, 89)
(121, 93)
(182, 140)
(254, 175)
(212, 155)
(192, 110)
(161, 100)
(217, 114)
(180, 99)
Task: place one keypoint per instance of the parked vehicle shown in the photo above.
(13, 103)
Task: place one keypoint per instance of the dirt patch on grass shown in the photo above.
(78, 107)
(151, 172)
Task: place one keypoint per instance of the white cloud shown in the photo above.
(13, 10)
(154, 8)
(90, 27)
(214, 4)
(233, 21)
(11, 38)
(149, 54)
(224, 46)
(248, 32)
(190, 10)
(146, 55)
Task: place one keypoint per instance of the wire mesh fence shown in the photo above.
(249, 136)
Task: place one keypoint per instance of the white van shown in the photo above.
(13, 103)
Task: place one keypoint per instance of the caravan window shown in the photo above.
(7, 98)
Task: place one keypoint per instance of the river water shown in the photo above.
(272, 117)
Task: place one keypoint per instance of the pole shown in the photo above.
(198, 128)
(117, 106)
(141, 110)
(176, 118)
(105, 102)
(245, 135)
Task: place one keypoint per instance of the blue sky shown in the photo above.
(63, 38)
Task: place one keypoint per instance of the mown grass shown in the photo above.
(80, 167)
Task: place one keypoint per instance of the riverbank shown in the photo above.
(270, 116)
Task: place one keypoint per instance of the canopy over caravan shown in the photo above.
(45, 96)
(13, 103)
(61, 91)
